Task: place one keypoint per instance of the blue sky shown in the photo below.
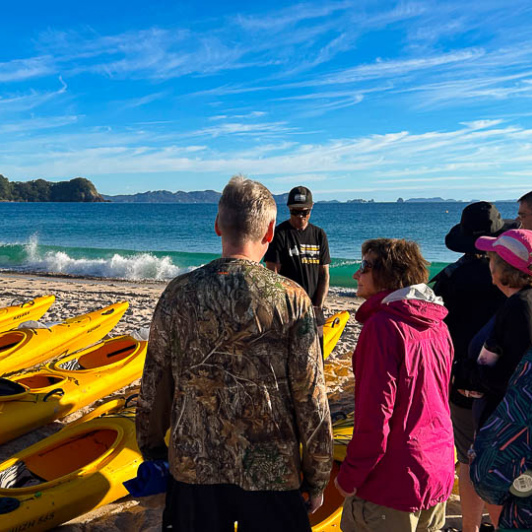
(355, 99)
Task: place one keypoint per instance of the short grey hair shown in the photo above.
(508, 275)
(245, 210)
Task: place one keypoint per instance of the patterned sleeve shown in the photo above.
(156, 393)
(502, 449)
(310, 401)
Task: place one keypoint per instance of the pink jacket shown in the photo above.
(402, 452)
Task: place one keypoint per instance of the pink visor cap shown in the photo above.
(513, 246)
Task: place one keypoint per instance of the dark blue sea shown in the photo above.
(160, 241)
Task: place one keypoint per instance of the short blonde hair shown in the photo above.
(397, 263)
(245, 210)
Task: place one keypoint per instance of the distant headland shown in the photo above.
(204, 196)
(75, 190)
(81, 189)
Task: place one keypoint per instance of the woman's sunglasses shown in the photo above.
(365, 266)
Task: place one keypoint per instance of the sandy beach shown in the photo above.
(76, 296)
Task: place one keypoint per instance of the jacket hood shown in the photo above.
(416, 304)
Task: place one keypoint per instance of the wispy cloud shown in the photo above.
(24, 69)
(30, 100)
(144, 100)
(290, 16)
(239, 128)
(251, 115)
(394, 161)
(37, 124)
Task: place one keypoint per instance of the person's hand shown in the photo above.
(343, 493)
(314, 502)
(320, 317)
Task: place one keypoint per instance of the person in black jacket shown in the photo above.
(471, 299)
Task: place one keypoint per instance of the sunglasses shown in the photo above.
(365, 266)
(300, 212)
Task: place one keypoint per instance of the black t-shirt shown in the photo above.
(300, 254)
(510, 338)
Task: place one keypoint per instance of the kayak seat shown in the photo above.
(108, 354)
(10, 340)
(18, 476)
(40, 380)
(71, 454)
(8, 387)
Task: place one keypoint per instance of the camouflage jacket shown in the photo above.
(234, 369)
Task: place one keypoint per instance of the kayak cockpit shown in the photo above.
(11, 390)
(40, 381)
(75, 454)
(110, 352)
(9, 340)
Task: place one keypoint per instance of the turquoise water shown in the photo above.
(160, 241)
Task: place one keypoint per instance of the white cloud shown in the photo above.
(250, 115)
(395, 161)
(144, 100)
(239, 128)
(29, 100)
(482, 124)
(24, 69)
(290, 16)
(36, 124)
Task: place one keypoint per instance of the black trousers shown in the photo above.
(215, 508)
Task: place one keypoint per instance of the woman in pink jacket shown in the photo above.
(399, 469)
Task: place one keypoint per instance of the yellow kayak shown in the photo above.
(11, 317)
(83, 467)
(327, 518)
(23, 348)
(332, 330)
(70, 473)
(30, 400)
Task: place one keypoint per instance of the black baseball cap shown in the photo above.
(300, 197)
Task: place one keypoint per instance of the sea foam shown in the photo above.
(134, 266)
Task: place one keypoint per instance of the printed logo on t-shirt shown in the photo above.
(310, 253)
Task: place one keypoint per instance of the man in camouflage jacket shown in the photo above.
(234, 370)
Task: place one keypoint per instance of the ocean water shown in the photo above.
(160, 241)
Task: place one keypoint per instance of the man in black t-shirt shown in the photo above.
(300, 250)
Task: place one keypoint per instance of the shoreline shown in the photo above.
(77, 295)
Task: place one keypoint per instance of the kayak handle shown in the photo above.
(335, 322)
(56, 391)
(130, 399)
